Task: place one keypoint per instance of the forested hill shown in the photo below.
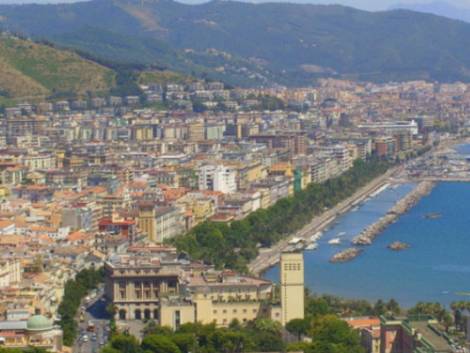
(30, 70)
(255, 43)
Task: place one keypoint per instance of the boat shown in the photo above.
(294, 241)
(340, 234)
(433, 215)
(312, 246)
(335, 241)
(316, 236)
(355, 209)
(379, 190)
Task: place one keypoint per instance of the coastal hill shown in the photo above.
(30, 70)
(441, 8)
(247, 43)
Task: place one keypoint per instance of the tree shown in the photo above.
(226, 341)
(331, 334)
(151, 328)
(124, 343)
(393, 306)
(379, 307)
(298, 327)
(186, 342)
(159, 344)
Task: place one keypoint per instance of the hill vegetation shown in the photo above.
(30, 70)
(255, 44)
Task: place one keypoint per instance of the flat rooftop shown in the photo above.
(431, 333)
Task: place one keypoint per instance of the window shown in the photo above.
(214, 312)
(177, 318)
(138, 314)
(122, 314)
(147, 315)
(234, 311)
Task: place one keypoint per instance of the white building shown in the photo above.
(10, 272)
(217, 178)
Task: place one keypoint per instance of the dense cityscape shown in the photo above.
(232, 177)
(115, 216)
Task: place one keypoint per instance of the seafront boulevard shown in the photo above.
(270, 257)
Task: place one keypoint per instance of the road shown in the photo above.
(270, 257)
(96, 313)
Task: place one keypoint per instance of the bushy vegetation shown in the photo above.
(234, 245)
(74, 292)
(26, 350)
(328, 304)
(31, 70)
(261, 335)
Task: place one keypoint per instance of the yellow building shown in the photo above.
(221, 297)
(292, 286)
(161, 288)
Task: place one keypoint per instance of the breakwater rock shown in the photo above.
(367, 236)
(346, 255)
(398, 246)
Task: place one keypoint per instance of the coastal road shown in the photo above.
(270, 257)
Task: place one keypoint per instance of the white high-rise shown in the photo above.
(217, 178)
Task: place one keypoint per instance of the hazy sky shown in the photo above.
(362, 4)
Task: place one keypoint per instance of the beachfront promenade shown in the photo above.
(270, 257)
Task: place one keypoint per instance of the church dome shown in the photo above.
(39, 323)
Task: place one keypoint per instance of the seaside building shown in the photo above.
(157, 285)
(292, 286)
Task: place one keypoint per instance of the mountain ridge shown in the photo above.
(256, 44)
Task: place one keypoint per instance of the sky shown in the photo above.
(371, 5)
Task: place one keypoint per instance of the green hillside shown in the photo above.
(29, 70)
(255, 44)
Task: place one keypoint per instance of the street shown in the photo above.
(95, 314)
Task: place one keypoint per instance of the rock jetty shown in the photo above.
(398, 246)
(367, 236)
(346, 255)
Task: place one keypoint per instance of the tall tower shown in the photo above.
(292, 286)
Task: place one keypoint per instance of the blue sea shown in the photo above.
(435, 268)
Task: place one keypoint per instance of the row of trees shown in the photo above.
(261, 335)
(328, 304)
(234, 245)
(26, 350)
(328, 334)
(74, 292)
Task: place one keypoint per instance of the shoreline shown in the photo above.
(268, 258)
(368, 235)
